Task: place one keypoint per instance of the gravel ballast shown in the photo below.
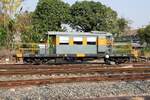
(68, 91)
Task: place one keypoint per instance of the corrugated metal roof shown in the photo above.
(80, 33)
(136, 45)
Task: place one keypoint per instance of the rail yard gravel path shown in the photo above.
(69, 91)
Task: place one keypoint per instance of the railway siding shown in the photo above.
(73, 81)
(82, 70)
(128, 77)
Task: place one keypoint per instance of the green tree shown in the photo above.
(50, 15)
(9, 11)
(24, 26)
(6, 26)
(93, 16)
(122, 25)
(2, 36)
(2, 31)
(144, 34)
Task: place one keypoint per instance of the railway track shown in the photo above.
(23, 66)
(128, 77)
(112, 73)
(121, 98)
(73, 70)
(57, 69)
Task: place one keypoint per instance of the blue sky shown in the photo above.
(137, 11)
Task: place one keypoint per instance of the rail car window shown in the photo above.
(63, 43)
(78, 40)
(91, 43)
(108, 37)
(64, 40)
(91, 40)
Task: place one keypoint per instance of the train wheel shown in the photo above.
(28, 61)
(44, 60)
(107, 61)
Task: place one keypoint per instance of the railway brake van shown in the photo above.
(71, 46)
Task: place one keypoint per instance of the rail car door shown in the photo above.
(102, 45)
(51, 44)
(47, 45)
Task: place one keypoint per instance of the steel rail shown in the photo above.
(129, 77)
(119, 98)
(13, 66)
(78, 64)
(75, 70)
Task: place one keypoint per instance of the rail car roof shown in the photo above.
(80, 33)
